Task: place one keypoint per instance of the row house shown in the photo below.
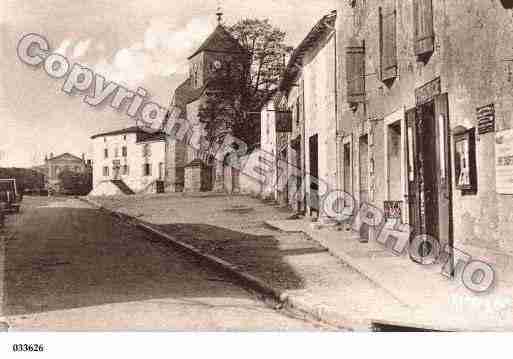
(425, 116)
(299, 122)
(406, 105)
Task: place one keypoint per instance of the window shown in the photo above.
(423, 27)
(116, 152)
(105, 171)
(124, 151)
(297, 111)
(161, 170)
(387, 44)
(105, 139)
(106, 153)
(146, 150)
(355, 64)
(125, 170)
(124, 137)
(147, 169)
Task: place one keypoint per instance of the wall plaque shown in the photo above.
(283, 121)
(486, 119)
(428, 91)
(504, 161)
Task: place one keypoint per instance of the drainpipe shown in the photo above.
(304, 141)
(337, 125)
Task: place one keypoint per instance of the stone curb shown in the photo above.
(317, 312)
(348, 260)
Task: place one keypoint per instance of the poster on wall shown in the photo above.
(504, 161)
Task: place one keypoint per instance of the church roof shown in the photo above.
(220, 41)
(65, 156)
(185, 94)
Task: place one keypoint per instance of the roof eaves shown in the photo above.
(326, 23)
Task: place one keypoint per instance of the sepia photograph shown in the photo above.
(272, 173)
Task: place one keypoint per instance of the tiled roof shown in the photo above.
(323, 27)
(221, 41)
(133, 129)
(185, 94)
(66, 154)
(143, 135)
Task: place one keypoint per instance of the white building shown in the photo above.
(131, 160)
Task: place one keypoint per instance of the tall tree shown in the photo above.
(235, 95)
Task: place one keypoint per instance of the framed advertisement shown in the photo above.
(465, 161)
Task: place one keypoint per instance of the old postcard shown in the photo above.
(256, 166)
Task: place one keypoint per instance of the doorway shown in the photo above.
(116, 170)
(314, 174)
(363, 152)
(347, 168)
(429, 173)
(297, 161)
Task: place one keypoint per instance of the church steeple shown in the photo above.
(219, 13)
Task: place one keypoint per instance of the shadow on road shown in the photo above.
(259, 255)
(61, 258)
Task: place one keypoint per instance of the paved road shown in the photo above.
(71, 267)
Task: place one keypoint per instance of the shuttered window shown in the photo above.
(423, 27)
(147, 169)
(388, 47)
(355, 65)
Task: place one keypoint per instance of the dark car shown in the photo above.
(9, 195)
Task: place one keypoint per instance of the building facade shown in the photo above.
(55, 165)
(302, 139)
(219, 53)
(425, 111)
(406, 106)
(131, 160)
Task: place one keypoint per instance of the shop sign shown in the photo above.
(486, 119)
(504, 161)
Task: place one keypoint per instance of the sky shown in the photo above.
(137, 43)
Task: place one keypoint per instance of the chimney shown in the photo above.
(83, 157)
(51, 155)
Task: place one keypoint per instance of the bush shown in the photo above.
(74, 183)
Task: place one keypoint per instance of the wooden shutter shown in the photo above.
(388, 45)
(355, 66)
(423, 27)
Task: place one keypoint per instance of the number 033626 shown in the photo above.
(28, 348)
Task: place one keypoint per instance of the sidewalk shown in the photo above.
(230, 231)
(325, 273)
(434, 301)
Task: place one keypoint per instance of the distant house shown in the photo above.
(54, 165)
(129, 160)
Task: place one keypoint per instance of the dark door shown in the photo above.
(296, 146)
(429, 175)
(444, 176)
(347, 169)
(363, 153)
(116, 170)
(282, 172)
(314, 174)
